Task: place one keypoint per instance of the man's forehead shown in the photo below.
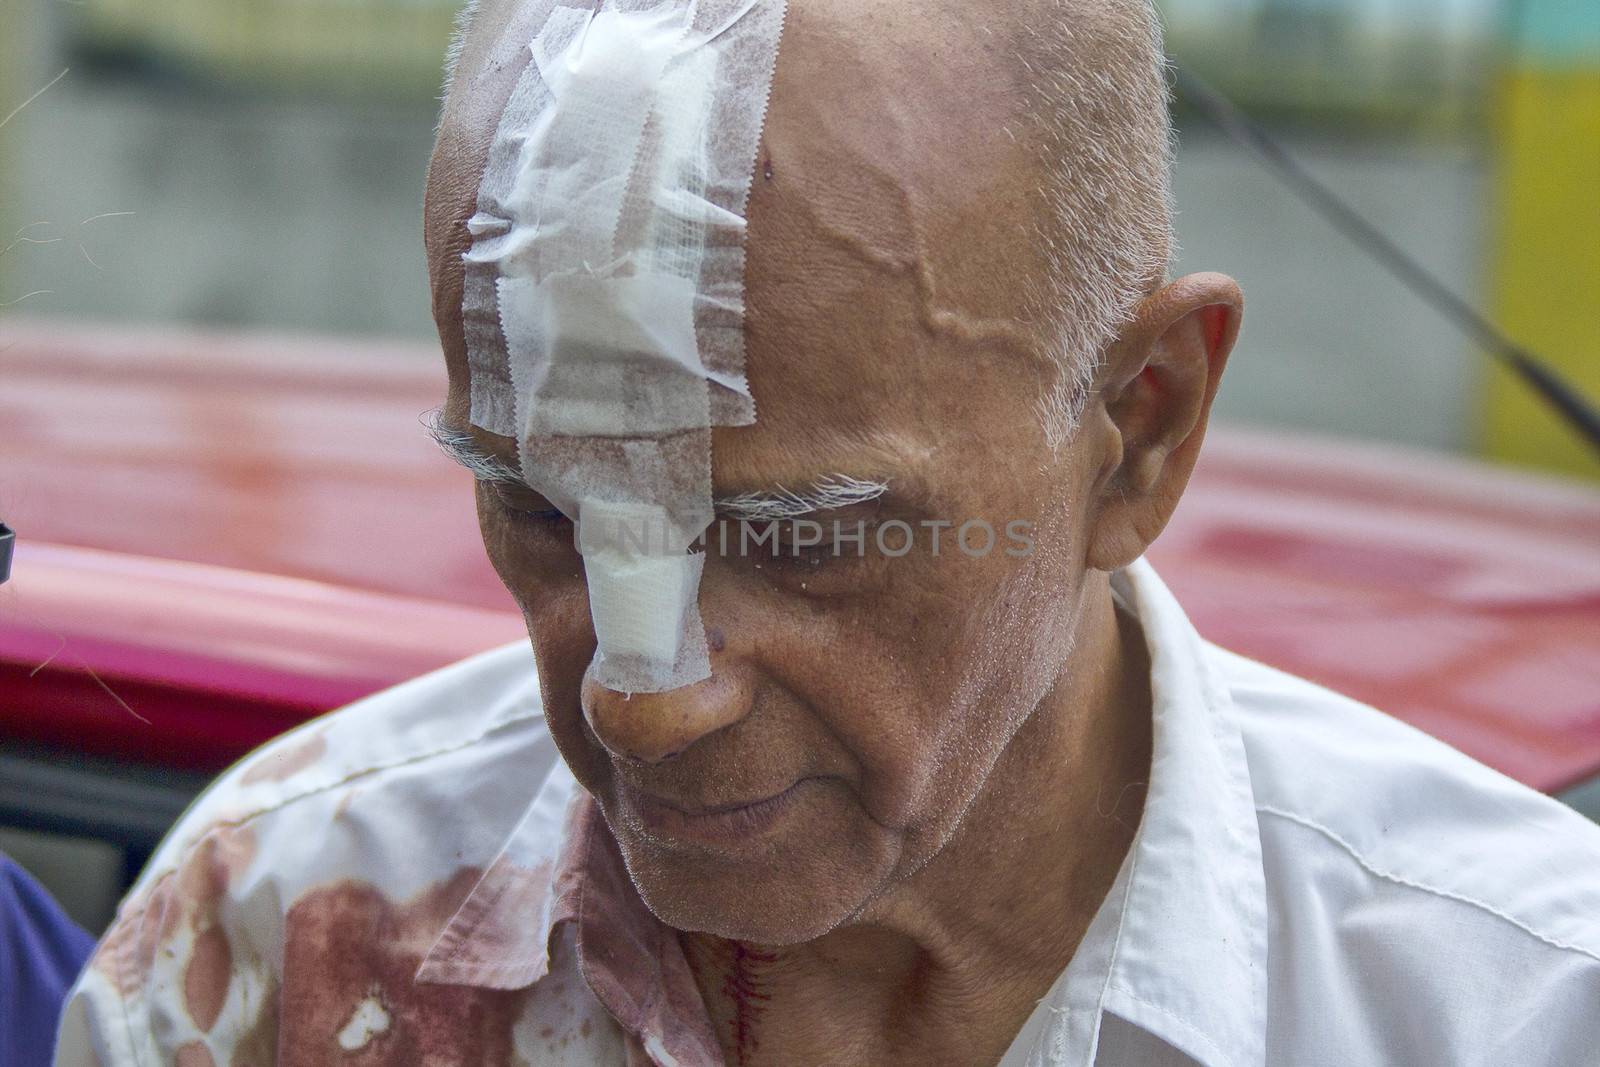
(886, 129)
(887, 229)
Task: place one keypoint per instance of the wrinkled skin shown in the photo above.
(960, 727)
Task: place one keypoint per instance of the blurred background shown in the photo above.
(270, 154)
(215, 340)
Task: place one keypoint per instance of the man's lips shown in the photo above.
(712, 822)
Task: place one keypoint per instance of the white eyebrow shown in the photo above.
(825, 494)
(460, 446)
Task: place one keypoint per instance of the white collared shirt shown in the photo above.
(417, 878)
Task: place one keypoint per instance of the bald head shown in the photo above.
(1010, 163)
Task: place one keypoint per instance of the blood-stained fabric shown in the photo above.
(414, 879)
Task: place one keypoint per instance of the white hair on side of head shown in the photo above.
(452, 52)
(1099, 78)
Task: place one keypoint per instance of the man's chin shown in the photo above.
(798, 881)
(771, 911)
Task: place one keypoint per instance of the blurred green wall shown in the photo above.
(377, 45)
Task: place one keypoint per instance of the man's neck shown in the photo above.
(946, 968)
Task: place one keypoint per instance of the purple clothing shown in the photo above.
(41, 952)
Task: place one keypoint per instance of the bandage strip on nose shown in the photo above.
(604, 302)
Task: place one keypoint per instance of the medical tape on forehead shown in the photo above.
(604, 294)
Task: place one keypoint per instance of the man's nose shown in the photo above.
(652, 727)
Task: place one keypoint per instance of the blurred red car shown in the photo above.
(219, 538)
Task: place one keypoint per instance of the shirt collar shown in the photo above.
(561, 865)
(1178, 948)
(500, 936)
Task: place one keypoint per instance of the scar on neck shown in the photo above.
(745, 991)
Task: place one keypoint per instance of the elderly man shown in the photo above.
(840, 792)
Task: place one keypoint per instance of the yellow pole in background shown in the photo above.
(1546, 229)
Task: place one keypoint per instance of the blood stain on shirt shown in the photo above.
(146, 922)
(258, 1045)
(280, 766)
(193, 1054)
(343, 940)
(205, 978)
(151, 919)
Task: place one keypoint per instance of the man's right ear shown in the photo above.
(1157, 386)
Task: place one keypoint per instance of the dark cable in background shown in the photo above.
(1544, 379)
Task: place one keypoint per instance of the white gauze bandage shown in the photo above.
(604, 293)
